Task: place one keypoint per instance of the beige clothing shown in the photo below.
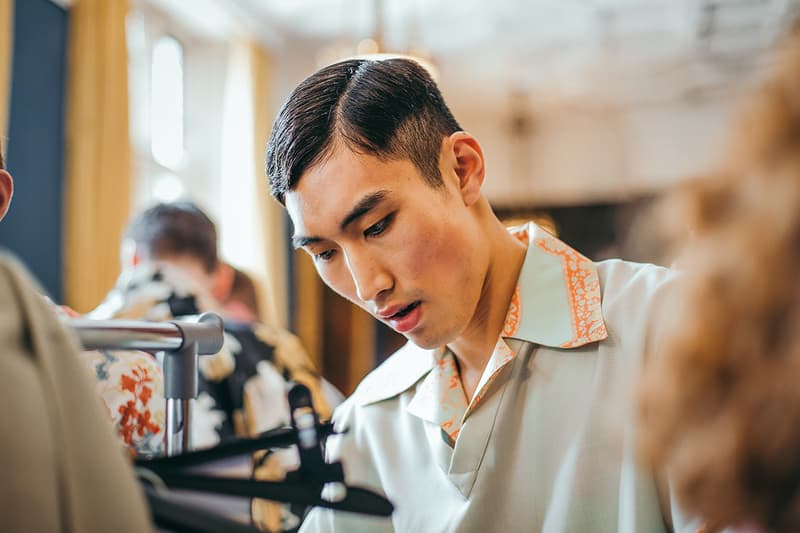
(63, 468)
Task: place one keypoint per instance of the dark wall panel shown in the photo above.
(33, 228)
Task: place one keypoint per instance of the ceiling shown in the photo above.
(613, 49)
(623, 95)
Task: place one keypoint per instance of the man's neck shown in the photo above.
(475, 345)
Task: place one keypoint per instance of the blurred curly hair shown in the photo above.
(719, 401)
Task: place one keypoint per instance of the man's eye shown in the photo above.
(327, 255)
(379, 227)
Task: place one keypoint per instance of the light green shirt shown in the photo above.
(550, 446)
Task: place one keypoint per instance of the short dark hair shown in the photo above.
(2, 161)
(391, 109)
(179, 228)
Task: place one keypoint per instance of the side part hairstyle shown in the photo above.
(719, 402)
(391, 109)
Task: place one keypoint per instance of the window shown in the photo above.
(177, 83)
(166, 103)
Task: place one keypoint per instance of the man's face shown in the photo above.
(383, 238)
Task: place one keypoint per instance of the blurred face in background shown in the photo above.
(132, 255)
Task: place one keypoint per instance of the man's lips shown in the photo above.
(407, 318)
(397, 311)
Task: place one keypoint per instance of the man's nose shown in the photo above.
(369, 276)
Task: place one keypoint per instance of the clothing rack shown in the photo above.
(180, 341)
(301, 486)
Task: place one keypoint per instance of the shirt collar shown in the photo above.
(559, 293)
(557, 304)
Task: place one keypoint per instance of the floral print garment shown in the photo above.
(243, 388)
(131, 386)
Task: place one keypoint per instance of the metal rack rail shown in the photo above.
(181, 341)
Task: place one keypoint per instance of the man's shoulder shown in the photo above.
(398, 373)
(621, 279)
(635, 298)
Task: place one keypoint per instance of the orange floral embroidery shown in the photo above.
(502, 355)
(452, 400)
(135, 417)
(583, 289)
(521, 233)
(511, 324)
(454, 406)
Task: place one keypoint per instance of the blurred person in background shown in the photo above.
(130, 383)
(719, 398)
(171, 268)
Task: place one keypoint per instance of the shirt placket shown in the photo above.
(453, 406)
(452, 400)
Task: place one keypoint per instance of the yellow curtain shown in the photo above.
(251, 222)
(98, 151)
(308, 287)
(274, 294)
(6, 46)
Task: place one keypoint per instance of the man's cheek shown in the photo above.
(339, 282)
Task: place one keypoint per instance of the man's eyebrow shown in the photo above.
(298, 241)
(364, 206)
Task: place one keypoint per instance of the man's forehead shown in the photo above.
(340, 161)
(341, 180)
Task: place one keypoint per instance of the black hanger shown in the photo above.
(303, 486)
(175, 516)
(354, 500)
(274, 438)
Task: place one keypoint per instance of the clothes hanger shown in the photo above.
(170, 514)
(275, 438)
(303, 486)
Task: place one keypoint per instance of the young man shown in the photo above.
(170, 268)
(504, 412)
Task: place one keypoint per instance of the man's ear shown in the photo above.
(6, 192)
(223, 282)
(466, 157)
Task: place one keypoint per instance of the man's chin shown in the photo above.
(426, 342)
